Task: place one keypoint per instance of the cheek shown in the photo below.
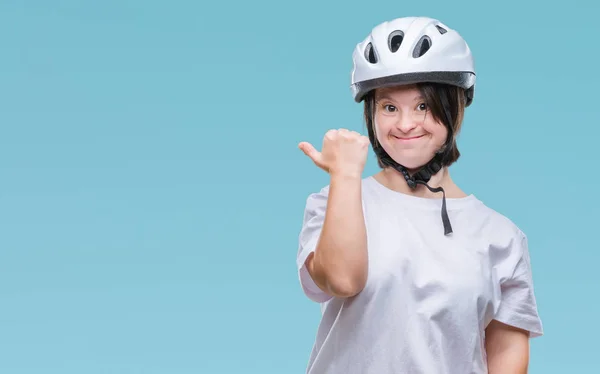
(438, 133)
(382, 128)
(443, 136)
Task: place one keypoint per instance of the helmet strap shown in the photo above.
(422, 176)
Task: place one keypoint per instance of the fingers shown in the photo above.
(332, 140)
(349, 134)
(331, 135)
(341, 131)
(365, 140)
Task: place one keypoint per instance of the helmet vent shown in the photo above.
(370, 54)
(395, 40)
(441, 29)
(422, 46)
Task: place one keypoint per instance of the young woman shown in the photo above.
(413, 275)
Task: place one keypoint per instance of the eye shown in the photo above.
(389, 108)
(422, 107)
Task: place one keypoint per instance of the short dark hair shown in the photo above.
(435, 94)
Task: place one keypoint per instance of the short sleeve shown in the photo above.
(518, 306)
(314, 216)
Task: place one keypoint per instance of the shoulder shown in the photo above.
(506, 241)
(500, 224)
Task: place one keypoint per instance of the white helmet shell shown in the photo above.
(412, 50)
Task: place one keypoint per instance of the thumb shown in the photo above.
(310, 151)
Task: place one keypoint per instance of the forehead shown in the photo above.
(399, 93)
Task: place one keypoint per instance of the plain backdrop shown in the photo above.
(152, 191)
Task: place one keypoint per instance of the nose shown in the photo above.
(406, 123)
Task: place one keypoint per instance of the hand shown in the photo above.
(344, 152)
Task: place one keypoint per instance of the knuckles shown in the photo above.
(346, 135)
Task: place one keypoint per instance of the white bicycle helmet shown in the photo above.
(412, 50)
(406, 51)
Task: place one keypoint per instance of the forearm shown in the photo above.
(340, 261)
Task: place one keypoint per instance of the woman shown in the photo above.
(413, 274)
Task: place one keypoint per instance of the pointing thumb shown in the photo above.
(310, 151)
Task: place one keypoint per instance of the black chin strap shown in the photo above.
(421, 177)
(445, 218)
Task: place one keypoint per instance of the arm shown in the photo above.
(517, 320)
(507, 349)
(339, 263)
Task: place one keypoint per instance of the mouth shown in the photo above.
(408, 139)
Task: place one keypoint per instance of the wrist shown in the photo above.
(351, 175)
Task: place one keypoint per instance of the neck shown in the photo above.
(395, 181)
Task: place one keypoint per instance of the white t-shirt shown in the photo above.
(428, 297)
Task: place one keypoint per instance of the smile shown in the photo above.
(409, 138)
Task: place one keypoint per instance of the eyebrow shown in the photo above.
(386, 97)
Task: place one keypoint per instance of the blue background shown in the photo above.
(152, 190)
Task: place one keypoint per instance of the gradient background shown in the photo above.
(152, 191)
